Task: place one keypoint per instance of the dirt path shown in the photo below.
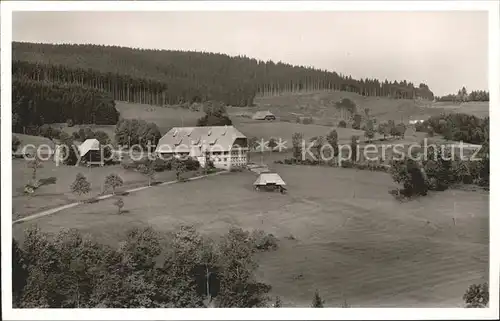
(102, 197)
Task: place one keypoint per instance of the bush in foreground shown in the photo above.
(477, 296)
(317, 302)
(147, 270)
(16, 142)
(264, 241)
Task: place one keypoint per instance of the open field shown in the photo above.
(164, 117)
(321, 106)
(286, 130)
(352, 240)
(479, 109)
(49, 196)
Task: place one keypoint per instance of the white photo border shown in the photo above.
(7, 7)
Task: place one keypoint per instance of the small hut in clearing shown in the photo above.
(90, 152)
(270, 181)
(264, 115)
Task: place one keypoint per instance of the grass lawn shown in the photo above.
(164, 117)
(479, 109)
(286, 130)
(49, 196)
(321, 106)
(351, 239)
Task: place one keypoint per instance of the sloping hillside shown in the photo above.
(321, 106)
(168, 77)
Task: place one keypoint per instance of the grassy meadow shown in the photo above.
(59, 193)
(321, 106)
(339, 232)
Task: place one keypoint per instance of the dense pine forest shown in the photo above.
(44, 102)
(48, 78)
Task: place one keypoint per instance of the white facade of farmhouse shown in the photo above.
(225, 146)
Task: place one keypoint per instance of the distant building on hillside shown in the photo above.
(264, 115)
(225, 146)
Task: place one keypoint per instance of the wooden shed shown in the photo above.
(270, 181)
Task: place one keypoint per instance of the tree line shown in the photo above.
(182, 269)
(35, 103)
(162, 77)
(463, 96)
(458, 127)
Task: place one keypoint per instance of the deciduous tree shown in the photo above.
(81, 185)
(147, 170)
(297, 140)
(113, 181)
(119, 204)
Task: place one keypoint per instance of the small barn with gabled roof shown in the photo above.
(264, 115)
(90, 152)
(270, 180)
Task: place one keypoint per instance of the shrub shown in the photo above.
(440, 169)
(213, 120)
(347, 164)
(317, 301)
(263, 241)
(210, 164)
(307, 120)
(236, 169)
(408, 173)
(16, 142)
(191, 164)
(129, 165)
(460, 127)
(91, 200)
(460, 172)
(310, 162)
(134, 164)
(47, 181)
(119, 204)
(477, 296)
(160, 165)
(356, 121)
(297, 145)
(342, 124)
(277, 302)
(211, 170)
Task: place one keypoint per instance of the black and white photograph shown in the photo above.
(284, 154)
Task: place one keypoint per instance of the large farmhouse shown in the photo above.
(225, 146)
